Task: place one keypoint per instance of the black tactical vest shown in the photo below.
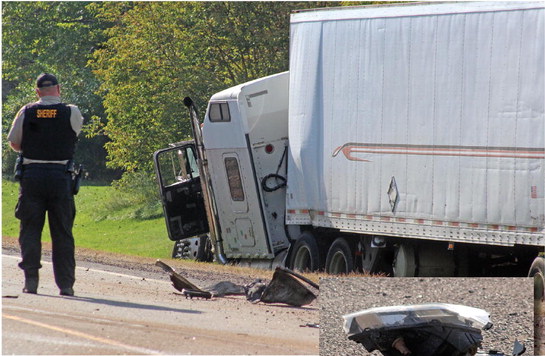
(47, 133)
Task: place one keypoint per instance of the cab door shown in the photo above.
(181, 191)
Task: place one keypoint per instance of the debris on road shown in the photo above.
(190, 293)
(225, 288)
(285, 287)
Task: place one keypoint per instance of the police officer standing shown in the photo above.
(45, 133)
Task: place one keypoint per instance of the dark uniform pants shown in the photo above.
(47, 187)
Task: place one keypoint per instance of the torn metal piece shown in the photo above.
(179, 282)
(285, 288)
(301, 277)
(518, 348)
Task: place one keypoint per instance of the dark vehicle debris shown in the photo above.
(425, 330)
(286, 287)
(190, 293)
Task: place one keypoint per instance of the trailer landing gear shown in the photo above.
(372, 251)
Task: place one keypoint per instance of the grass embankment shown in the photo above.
(106, 220)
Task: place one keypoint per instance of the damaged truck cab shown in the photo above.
(245, 135)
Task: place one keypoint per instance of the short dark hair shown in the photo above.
(45, 80)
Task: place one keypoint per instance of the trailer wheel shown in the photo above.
(537, 270)
(306, 255)
(339, 258)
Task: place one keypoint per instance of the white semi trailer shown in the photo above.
(404, 139)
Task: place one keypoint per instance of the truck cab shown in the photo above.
(245, 135)
(245, 142)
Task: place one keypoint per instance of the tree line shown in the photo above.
(128, 65)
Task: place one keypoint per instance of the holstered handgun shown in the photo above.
(76, 179)
(18, 169)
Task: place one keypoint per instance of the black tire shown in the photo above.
(537, 270)
(339, 258)
(205, 249)
(197, 248)
(305, 256)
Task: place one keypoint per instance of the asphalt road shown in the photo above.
(126, 311)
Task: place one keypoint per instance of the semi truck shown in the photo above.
(404, 139)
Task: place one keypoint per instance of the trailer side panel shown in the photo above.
(427, 123)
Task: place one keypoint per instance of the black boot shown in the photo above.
(31, 281)
(69, 291)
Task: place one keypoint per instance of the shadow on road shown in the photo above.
(117, 303)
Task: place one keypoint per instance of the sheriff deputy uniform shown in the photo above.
(45, 133)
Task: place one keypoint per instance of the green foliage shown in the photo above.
(143, 68)
(159, 52)
(55, 37)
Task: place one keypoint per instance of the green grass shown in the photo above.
(106, 220)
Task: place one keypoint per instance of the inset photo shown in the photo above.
(426, 316)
